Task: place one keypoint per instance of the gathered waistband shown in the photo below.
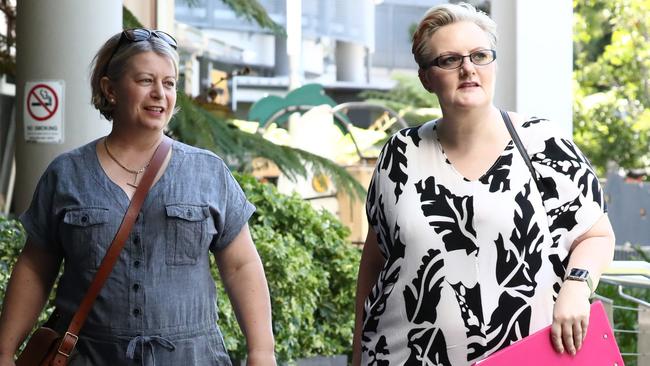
(171, 333)
(175, 333)
(148, 341)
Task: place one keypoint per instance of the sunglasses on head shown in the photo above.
(139, 35)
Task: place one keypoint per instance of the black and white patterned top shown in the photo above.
(471, 266)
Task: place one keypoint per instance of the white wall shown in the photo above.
(535, 58)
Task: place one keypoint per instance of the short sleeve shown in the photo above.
(235, 212)
(376, 200)
(571, 191)
(371, 209)
(40, 219)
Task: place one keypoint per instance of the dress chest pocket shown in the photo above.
(188, 232)
(85, 235)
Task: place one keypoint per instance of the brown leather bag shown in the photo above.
(41, 348)
(46, 347)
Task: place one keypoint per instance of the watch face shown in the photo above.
(579, 273)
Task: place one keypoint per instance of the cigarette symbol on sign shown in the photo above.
(45, 98)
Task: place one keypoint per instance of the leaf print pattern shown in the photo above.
(549, 188)
(469, 301)
(377, 355)
(394, 160)
(421, 297)
(564, 157)
(375, 304)
(497, 176)
(509, 323)
(559, 268)
(428, 347)
(561, 156)
(429, 251)
(589, 182)
(532, 122)
(526, 240)
(450, 215)
(564, 217)
(413, 133)
(518, 261)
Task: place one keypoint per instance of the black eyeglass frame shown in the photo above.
(139, 35)
(436, 61)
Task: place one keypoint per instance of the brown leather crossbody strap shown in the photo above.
(112, 254)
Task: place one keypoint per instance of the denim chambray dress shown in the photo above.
(159, 304)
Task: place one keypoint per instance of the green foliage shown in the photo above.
(625, 319)
(612, 73)
(609, 128)
(196, 126)
(408, 92)
(643, 255)
(311, 269)
(12, 238)
(251, 10)
(129, 20)
(8, 41)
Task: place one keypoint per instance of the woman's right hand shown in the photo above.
(29, 286)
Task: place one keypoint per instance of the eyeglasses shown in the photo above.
(139, 35)
(454, 61)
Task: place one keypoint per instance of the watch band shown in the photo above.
(582, 275)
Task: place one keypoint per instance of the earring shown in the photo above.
(112, 100)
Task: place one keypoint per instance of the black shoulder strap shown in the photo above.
(524, 154)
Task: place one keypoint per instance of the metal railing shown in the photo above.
(627, 275)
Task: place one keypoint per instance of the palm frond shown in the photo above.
(339, 175)
(197, 126)
(251, 10)
(129, 20)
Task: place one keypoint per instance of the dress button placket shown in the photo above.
(138, 265)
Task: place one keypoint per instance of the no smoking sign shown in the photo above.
(43, 112)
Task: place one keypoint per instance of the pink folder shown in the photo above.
(599, 347)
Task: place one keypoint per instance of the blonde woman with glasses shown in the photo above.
(475, 241)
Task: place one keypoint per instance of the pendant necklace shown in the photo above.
(134, 172)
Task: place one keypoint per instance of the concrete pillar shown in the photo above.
(165, 11)
(191, 73)
(608, 304)
(281, 57)
(205, 68)
(643, 342)
(294, 42)
(56, 40)
(350, 62)
(535, 60)
(7, 143)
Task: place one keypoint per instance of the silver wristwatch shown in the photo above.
(582, 275)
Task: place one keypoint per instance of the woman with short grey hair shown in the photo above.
(158, 307)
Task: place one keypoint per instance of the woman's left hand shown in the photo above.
(570, 317)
